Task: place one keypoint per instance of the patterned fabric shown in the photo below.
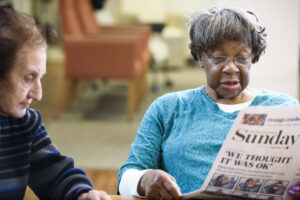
(28, 157)
(182, 133)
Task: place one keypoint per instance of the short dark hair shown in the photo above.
(211, 28)
(16, 29)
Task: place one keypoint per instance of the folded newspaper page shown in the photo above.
(259, 158)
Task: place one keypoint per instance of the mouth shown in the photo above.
(231, 85)
(26, 104)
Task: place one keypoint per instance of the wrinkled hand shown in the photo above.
(94, 195)
(294, 191)
(157, 184)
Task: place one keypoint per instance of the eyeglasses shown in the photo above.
(222, 60)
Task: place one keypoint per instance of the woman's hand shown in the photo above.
(294, 191)
(158, 185)
(94, 195)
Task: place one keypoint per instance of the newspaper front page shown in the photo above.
(260, 157)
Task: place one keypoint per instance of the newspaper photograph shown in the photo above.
(259, 158)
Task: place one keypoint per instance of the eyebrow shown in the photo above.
(35, 72)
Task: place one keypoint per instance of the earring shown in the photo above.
(200, 63)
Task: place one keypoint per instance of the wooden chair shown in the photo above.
(107, 56)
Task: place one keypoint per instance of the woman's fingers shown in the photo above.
(159, 185)
(295, 192)
(172, 188)
(103, 195)
(165, 194)
(94, 195)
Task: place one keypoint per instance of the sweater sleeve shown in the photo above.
(146, 149)
(52, 175)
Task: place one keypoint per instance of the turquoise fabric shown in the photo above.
(182, 133)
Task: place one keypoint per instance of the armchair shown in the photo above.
(90, 26)
(107, 56)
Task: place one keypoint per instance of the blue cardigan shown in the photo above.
(182, 133)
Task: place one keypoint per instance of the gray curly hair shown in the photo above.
(211, 28)
(16, 29)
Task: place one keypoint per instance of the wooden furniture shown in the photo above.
(118, 197)
(108, 56)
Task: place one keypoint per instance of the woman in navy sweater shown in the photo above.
(27, 155)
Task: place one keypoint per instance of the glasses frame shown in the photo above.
(245, 60)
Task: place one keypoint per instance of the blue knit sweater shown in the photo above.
(29, 158)
(182, 133)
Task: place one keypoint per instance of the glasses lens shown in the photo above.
(242, 60)
(218, 59)
(222, 60)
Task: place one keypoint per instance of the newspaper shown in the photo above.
(259, 158)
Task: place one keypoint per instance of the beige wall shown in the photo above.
(278, 69)
(22, 5)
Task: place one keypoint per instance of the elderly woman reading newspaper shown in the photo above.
(182, 132)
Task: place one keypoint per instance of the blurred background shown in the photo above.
(112, 58)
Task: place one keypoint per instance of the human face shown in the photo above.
(251, 183)
(227, 80)
(225, 179)
(276, 186)
(23, 83)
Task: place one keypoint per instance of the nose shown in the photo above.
(36, 91)
(230, 67)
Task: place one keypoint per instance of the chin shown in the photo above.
(19, 114)
(229, 95)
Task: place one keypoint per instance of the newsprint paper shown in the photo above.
(260, 158)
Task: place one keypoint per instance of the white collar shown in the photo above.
(233, 107)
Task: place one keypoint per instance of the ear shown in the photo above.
(200, 63)
(199, 60)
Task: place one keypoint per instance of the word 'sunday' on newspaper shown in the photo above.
(258, 158)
